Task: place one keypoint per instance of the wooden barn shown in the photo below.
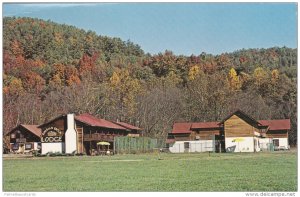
(70, 133)
(238, 132)
(241, 132)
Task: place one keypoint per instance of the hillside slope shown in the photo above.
(51, 68)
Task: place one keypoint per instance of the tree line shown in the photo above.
(49, 69)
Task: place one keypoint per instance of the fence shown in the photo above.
(136, 144)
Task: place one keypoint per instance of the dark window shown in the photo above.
(186, 145)
(15, 146)
(276, 142)
(28, 146)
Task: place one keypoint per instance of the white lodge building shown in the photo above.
(238, 132)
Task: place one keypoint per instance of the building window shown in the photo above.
(15, 147)
(186, 145)
(28, 146)
(13, 136)
(276, 142)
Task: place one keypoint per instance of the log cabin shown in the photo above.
(23, 139)
(70, 133)
(238, 132)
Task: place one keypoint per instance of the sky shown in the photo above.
(184, 28)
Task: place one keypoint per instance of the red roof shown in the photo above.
(128, 126)
(181, 127)
(283, 124)
(97, 122)
(205, 125)
(33, 129)
(186, 127)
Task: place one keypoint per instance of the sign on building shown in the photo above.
(51, 135)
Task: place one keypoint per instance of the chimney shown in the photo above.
(70, 135)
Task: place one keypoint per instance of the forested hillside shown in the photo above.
(49, 69)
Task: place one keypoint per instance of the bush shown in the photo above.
(35, 153)
(57, 154)
(80, 154)
(51, 154)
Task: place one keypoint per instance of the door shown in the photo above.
(87, 147)
(276, 143)
(186, 147)
(22, 148)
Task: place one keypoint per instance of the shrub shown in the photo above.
(35, 153)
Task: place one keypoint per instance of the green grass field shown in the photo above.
(276, 171)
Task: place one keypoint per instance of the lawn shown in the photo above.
(276, 171)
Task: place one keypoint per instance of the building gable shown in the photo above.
(245, 117)
(32, 129)
(59, 122)
(236, 126)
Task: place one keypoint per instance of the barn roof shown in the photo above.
(181, 127)
(272, 125)
(186, 127)
(244, 116)
(97, 122)
(53, 120)
(128, 126)
(282, 124)
(34, 129)
(205, 125)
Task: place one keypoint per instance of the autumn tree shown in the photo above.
(50, 69)
(260, 76)
(123, 90)
(194, 71)
(274, 76)
(196, 95)
(234, 80)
